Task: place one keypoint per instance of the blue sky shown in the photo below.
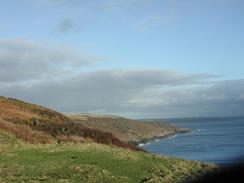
(125, 37)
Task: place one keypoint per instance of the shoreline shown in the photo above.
(142, 142)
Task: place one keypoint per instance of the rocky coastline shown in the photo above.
(143, 141)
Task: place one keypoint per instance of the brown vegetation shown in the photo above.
(26, 133)
(36, 124)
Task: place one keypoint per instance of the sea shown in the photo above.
(214, 140)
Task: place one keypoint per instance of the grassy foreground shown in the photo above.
(89, 163)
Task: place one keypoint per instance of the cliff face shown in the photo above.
(37, 124)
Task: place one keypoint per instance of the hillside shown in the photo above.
(40, 125)
(90, 162)
(127, 130)
(38, 144)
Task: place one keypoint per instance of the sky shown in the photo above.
(134, 58)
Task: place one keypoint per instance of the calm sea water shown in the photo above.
(217, 140)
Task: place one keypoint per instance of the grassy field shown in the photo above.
(89, 163)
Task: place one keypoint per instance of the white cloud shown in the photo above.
(25, 60)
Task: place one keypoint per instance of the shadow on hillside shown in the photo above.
(230, 174)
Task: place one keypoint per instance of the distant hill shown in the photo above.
(37, 124)
(127, 130)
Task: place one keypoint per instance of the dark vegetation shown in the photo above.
(228, 174)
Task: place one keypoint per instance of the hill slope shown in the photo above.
(37, 124)
(127, 130)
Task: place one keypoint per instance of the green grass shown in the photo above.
(89, 163)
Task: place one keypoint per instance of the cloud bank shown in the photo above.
(133, 93)
(55, 76)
